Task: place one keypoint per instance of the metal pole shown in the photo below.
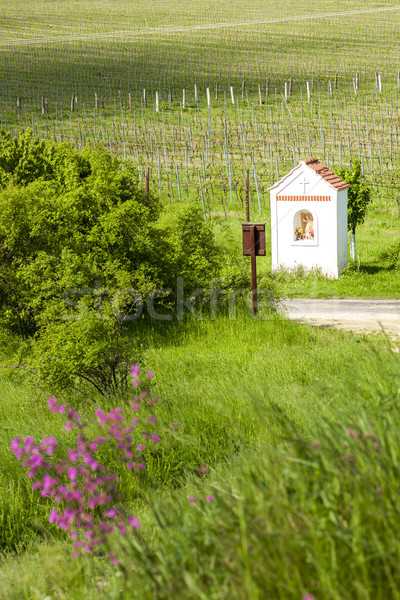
(253, 271)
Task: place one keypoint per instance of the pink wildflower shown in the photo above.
(53, 517)
(52, 404)
(48, 445)
(85, 491)
(114, 560)
(122, 528)
(72, 473)
(135, 370)
(133, 521)
(72, 455)
(15, 447)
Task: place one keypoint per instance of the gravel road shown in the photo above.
(346, 313)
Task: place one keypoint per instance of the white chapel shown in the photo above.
(309, 219)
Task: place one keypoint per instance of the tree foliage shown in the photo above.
(358, 195)
(80, 244)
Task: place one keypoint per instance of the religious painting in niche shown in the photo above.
(304, 228)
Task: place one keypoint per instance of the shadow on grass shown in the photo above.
(372, 269)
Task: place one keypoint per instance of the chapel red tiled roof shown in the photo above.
(326, 174)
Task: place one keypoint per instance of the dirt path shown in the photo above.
(347, 313)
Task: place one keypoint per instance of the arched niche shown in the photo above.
(305, 227)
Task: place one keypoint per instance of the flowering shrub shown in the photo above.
(84, 490)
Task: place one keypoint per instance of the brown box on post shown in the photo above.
(259, 239)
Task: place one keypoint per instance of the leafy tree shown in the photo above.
(358, 195)
(79, 246)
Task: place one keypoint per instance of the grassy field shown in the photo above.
(224, 382)
(298, 426)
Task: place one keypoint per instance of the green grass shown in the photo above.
(287, 518)
(212, 377)
(318, 517)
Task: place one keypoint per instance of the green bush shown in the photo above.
(79, 242)
(359, 195)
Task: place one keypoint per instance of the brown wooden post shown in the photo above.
(147, 184)
(253, 246)
(130, 102)
(19, 107)
(246, 196)
(253, 271)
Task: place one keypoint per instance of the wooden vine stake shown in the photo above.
(147, 184)
(246, 196)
